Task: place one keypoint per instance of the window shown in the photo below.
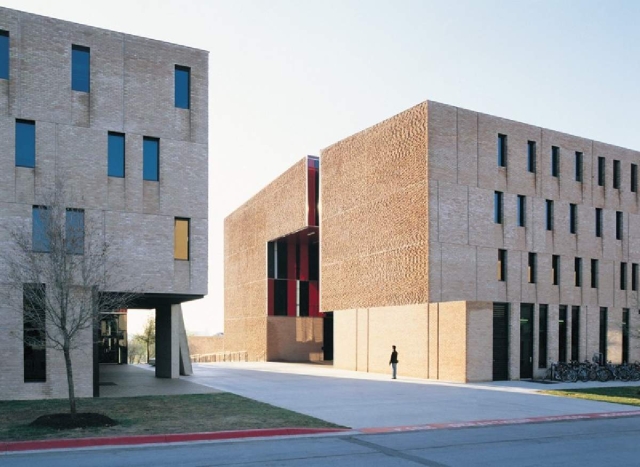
(555, 161)
(594, 273)
(80, 68)
(623, 276)
(25, 143)
(497, 207)
(151, 159)
(598, 222)
(634, 178)
(531, 268)
(74, 232)
(181, 239)
(502, 265)
(549, 214)
(4, 55)
(115, 155)
(601, 171)
(577, 272)
(183, 87)
(634, 276)
(602, 347)
(531, 156)
(575, 333)
(40, 229)
(34, 337)
(578, 166)
(573, 218)
(555, 269)
(616, 175)
(625, 335)
(521, 209)
(502, 150)
(562, 334)
(543, 320)
(619, 225)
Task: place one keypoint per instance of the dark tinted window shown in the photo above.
(151, 159)
(116, 155)
(34, 337)
(616, 175)
(4, 55)
(502, 150)
(40, 229)
(521, 209)
(542, 336)
(80, 68)
(531, 156)
(497, 207)
(601, 170)
(573, 218)
(183, 87)
(25, 143)
(555, 161)
(578, 167)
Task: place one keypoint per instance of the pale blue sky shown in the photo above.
(289, 77)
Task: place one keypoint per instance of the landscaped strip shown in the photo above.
(628, 395)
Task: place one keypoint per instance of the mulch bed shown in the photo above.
(67, 421)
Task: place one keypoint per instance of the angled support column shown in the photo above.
(167, 342)
(185, 355)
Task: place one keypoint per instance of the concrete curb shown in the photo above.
(14, 446)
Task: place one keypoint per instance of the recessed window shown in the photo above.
(151, 159)
(80, 68)
(623, 276)
(531, 267)
(497, 207)
(555, 161)
(34, 335)
(502, 150)
(573, 218)
(577, 268)
(578, 166)
(181, 239)
(619, 225)
(4, 55)
(601, 171)
(521, 210)
(594, 273)
(634, 178)
(616, 175)
(183, 87)
(74, 231)
(549, 214)
(634, 276)
(40, 227)
(555, 269)
(502, 265)
(25, 143)
(531, 156)
(115, 155)
(598, 222)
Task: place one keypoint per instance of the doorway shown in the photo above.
(526, 341)
(327, 336)
(500, 341)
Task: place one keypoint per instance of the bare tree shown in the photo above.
(64, 270)
(148, 336)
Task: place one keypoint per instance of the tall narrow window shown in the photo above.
(625, 335)
(543, 320)
(634, 276)
(601, 171)
(40, 229)
(80, 68)
(74, 231)
(25, 143)
(502, 265)
(562, 334)
(555, 269)
(602, 345)
(549, 214)
(577, 268)
(575, 333)
(531, 268)
(182, 87)
(497, 207)
(555, 161)
(151, 159)
(578, 166)
(34, 337)
(521, 209)
(598, 222)
(115, 154)
(4, 55)
(623, 276)
(619, 225)
(594, 273)
(531, 156)
(634, 178)
(181, 239)
(573, 218)
(616, 175)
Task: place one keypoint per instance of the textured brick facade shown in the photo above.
(132, 92)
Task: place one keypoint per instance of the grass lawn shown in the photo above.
(629, 395)
(153, 415)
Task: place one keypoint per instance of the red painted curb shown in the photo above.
(513, 421)
(13, 446)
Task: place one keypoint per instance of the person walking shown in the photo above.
(393, 361)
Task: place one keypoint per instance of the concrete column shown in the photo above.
(185, 355)
(167, 341)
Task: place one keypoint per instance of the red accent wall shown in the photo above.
(314, 302)
(291, 297)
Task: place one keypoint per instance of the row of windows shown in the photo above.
(26, 151)
(578, 164)
(81, 72)
(532, 273)
(521, 215)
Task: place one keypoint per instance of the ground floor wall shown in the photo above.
(294, 339)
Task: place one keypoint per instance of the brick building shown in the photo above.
(480, 246)
(123, 121)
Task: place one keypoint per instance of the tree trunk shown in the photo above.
(147, 351)
(72, 394)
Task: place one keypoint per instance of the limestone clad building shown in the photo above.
(123, 122)
(482, 247)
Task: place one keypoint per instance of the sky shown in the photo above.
(290, 77)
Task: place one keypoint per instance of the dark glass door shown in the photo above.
(526, 341)
(500, 341)
(327, 336)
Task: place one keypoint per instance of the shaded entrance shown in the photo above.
(500, 341)
(327, 336)
(113, 338)
(526, 341)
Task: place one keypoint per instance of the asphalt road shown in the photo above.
(581, 443)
